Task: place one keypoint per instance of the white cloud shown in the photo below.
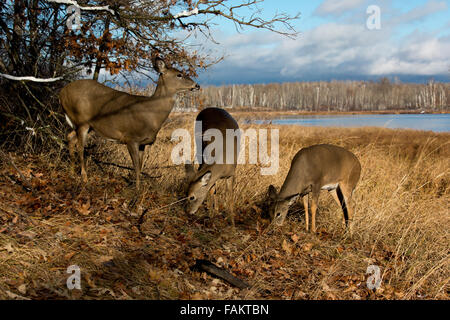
(339, 50)
(336, 7)
(421, 12)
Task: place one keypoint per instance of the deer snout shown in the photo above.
(279, 219)
(192, 206)
(196, 88)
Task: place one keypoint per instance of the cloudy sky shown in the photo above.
(413, 44)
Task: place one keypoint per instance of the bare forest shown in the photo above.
(326, 96)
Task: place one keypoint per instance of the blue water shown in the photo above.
(429, 122)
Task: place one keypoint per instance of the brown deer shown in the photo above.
(318, 167)
(121, 117)
(204, 179)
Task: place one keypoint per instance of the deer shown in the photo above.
(203, 181)
(315, 168)
(119, 116)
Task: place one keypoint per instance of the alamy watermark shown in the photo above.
(74, 280)
(374, 20)
(374, 281)
(74, 21)
(214, 152)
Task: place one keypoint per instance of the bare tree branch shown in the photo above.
(74, 3)
(29, 78)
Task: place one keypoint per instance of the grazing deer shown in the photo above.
(319, 167)
(204, 179)
(121, 117)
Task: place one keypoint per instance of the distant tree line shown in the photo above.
(325, 96)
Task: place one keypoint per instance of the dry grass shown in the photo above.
(401, 224)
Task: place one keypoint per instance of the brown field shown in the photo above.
(401, 224)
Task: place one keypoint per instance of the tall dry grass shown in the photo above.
(401, 224)
(402, 199)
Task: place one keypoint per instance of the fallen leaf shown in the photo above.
(22, 288)
(295, 238)
(352, 287)
(197, 296)
(15, 296)
(356, 297)
(286, 247)
(8, 247)
(28, 234)
(307, 247)
(84, 209)
(69, 255)
(105, 259)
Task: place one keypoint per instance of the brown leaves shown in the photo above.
(69, 255)
(8, 247)
(294, 238)
(307, 247)
(287, 247)
(84, 209)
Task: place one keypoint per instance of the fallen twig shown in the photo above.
(212, 269)
(124, 167)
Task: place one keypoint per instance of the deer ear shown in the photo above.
(160, 66)
(272, 192)
(293, 199)
(205, 179)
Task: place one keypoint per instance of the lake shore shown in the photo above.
(275, 114)
(391, 119)
(270, 114)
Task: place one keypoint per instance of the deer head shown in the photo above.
(172, 80)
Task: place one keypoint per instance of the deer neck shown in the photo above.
(165, 97)
(163, 91)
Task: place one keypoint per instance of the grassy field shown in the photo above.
(53, 220)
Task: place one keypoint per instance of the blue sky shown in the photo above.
(334, 42)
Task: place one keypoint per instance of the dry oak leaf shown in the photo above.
(307, 247)
(15, 296)
(295, 238)
(84, 209)
(286, 247)
(8, 247)
(69, 255)
(22, 288)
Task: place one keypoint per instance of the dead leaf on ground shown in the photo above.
(286, 247)
(307, 247)
(8, 247)
(84, 209)
(295, 238)
(69, 255)
(22, 288)
(15, 296)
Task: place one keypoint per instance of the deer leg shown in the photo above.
(305, 205)
(347, 208)
(81, 137)
(230, 191)
(212, 201)
(141, 155)
(339, 200)
(133, 149)
(314, 203)
(216, 199)
(72, 141)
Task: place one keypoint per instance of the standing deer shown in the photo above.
(121, 117)
(318, 167)
(204, 179)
